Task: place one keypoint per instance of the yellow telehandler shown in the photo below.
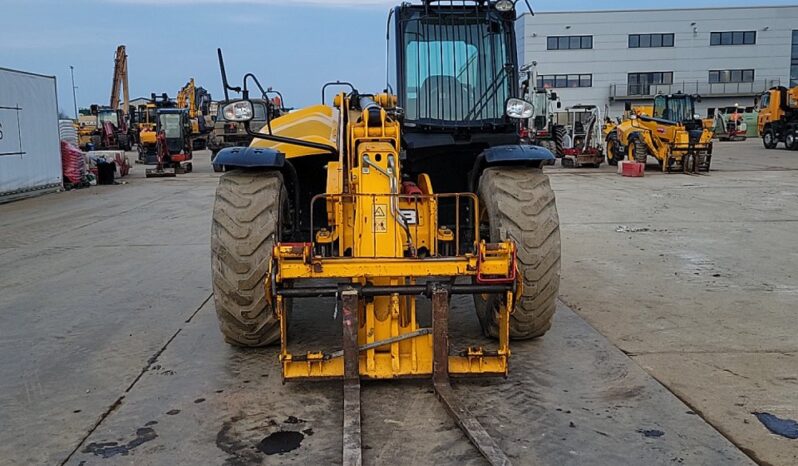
(379, 200)
(673, 134)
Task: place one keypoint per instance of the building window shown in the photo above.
(569, 42)
(733, 38)
(731, 76)
(794, 60)
(650, 40)
(565, 80)
(640, 83)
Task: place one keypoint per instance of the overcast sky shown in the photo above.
(293, 45)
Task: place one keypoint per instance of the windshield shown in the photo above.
(170, 125)
(108, 116)
(673, 108)
(764, 101)
(454, 68)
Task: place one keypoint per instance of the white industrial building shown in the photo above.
(727, 55)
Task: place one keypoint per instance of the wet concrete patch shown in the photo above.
(238, 438)
(651, 433)
(111, 449)
(281, 442)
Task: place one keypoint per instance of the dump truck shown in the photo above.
(673, 134)
(778, 117)
(380, 200)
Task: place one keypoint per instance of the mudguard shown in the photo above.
(517, 153)
(249, 157)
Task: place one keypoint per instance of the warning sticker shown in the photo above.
(380, 218)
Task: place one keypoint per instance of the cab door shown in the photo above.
(763, 107)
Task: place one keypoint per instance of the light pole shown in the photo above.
(74, 95)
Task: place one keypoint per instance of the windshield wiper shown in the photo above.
(489, 93)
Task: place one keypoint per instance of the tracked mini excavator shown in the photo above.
(381, 200)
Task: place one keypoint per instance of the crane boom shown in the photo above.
(120, 80)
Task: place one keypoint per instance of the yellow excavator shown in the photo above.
(673, 134)
(378, 201)
(197, 102)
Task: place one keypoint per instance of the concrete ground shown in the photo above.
(695, 278)
(109, 351)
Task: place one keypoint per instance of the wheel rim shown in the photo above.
(789, 140)
(768, 138)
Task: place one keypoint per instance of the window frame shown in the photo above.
(648, 40)
(653, 78)
(582, 42)
(565, 80)
(725, 38)
(727, 76)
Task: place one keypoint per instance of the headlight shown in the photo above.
(238, 111)
(696, 116)
(519, 108)
(504, 5)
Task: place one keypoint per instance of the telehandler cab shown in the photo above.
(419, 191)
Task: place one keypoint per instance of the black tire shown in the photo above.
(519, 204)
(791, 141)
(549, 144)
(769, 139)
(247, 218)
(612, 148)
(559, 136)
(637, 151)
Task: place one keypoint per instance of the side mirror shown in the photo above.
(240, 111)
(559, 104)
(553, 96)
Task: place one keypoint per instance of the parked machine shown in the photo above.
(778, 117)
(111, 130)
(390, 199)
(173, 143)
(233, 134)
(541, 129)
(147, 119)
(728, 124)
(580, 143)
(197, 102)
(673, 134)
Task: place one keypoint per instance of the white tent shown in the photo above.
(30, 152)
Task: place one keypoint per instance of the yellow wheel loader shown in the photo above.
(673, 134)
(378, 201)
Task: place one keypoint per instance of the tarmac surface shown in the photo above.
(110, 353)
